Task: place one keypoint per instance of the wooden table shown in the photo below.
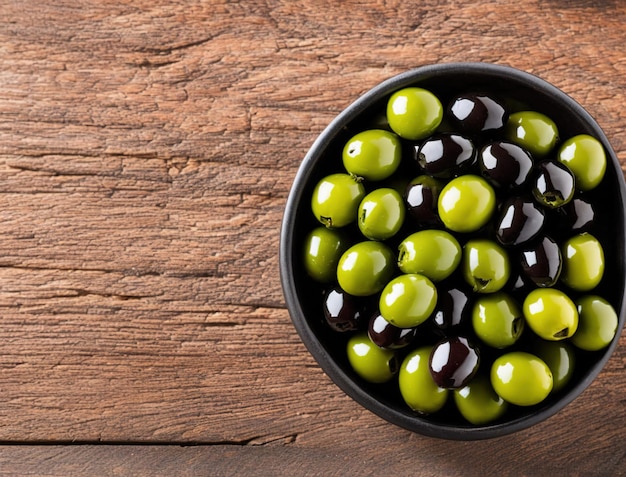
(146, 152)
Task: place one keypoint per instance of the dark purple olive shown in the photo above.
(520, 221)
(453, 308)
(343, 312)
(505, 164)
(445, 154)
(385, 335)
(453, 362)
(476, 113)
(421, 197)
(554, 185)
(542, 263)
(575, 217)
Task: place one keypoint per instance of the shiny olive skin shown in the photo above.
(374, 154)
(408, 300)
(343, 312)
(373, 364)
(497, 319)
(477, 113)
(551, 314)
(583, 262)
(584, 155)
(505, 164)
(533, 131)
(577, 216)
(453, 362)
(466, 203)
(521, 378)
(433, 253)
(485, 265)
(421, 196)
(453, 309)
(445, 154)
(336, 200)
(385, 335)
(542, 263)
(554, 185)
(365, 268)
(381, 214)
(323, 248)
(414, 113)
(598, 323)
(417, 387)
(560, 358)
(478, 403)
(521, 220)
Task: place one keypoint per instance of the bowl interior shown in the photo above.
(303, 295)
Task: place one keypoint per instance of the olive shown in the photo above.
(583, 262)
(417, 387)
(445, 154)
(475, 113)
(365, 268)
(554, 184)
(497, 320)
(533, 131)
(385, 335)
(505, 164)
(421, 197)
(576, 216)
(551, 314)
(381, 214)
(597, 323)
(414, 113)
(542, 263)
(336, 200)
(373, 364)
(342, 311)
(521, 378)
(322, 250)
(453, 308)
(560, 358)
(453, 362)
(433, 253)
(374, 154)
(466, 203)
(408, 300)
(485, 265)
(478, 403)
(521, 220)
(584, 155)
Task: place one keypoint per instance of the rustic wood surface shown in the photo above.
(146, 152)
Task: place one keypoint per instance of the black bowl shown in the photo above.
(303, 296)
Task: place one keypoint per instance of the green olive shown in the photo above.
(583, 262)
(478, 403)
(365, 268)
(584, 155)
(336, 200)
(414, 113)
(597, 323)
(533, 131)
(381, 214)
(323, 248)
(433, 253)
(560, 358)
(497, 320)
(466, 203)
(417, 387)
(373, 364)
(521, 378)
(551, 314)
(373, 155)
(408, 300)
(485, 265)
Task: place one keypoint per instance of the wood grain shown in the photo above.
(146, 153)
